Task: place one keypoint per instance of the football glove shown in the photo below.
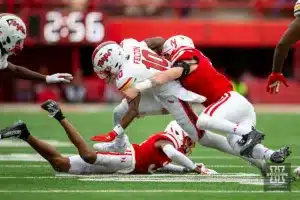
(274, 81)
(58, 78)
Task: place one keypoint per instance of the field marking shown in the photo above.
(19, 143)
(37, 157)
(47, 166)
(116, 176)
(145, 191)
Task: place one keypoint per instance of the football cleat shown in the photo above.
(52, 107)
(17, 130)
(253, 138)
(119, 145)
(280, 155)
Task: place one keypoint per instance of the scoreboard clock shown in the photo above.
(54, 27)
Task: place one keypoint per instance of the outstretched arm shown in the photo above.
(175, 155)
(24, 73)
(290, 37)
(171, 168)
(87, 154)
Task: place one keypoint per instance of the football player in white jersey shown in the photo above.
(12, 36)
(290, 37)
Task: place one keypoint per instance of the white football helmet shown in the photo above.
(108, 59)
(12, 33)
(175, 42)
(182, 138)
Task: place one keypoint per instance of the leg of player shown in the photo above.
(183, 114)
(19, 130)
(239, 110)
(87, 154)
(147, 106)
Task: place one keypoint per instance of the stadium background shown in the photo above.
(239, 36)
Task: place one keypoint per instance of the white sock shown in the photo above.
(218, 142)
(216, 124)
(262, 152)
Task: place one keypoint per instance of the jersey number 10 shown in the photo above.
(152, 60)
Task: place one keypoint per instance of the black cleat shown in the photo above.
(18, 130)
(53, 109)
(252, 139)
(280, 155)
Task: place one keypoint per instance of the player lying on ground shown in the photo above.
(157, 152)
(211, 139)
(290, 37)
(134, 63)
(13, 34)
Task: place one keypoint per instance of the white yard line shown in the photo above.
(36, 157)
(3, 165)
(117, 176)
(143, 191)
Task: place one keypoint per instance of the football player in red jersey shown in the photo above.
(157, 152)
(197, 74)
(290, 37)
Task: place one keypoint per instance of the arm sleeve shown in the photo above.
(297, 9)
(171, 168)
(178, 157)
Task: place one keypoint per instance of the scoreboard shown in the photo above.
(58, 27)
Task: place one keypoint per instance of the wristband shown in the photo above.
(118, 129)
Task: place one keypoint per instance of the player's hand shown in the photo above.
(59, 78)
(201, 169)
(109, 137)
(274, 81)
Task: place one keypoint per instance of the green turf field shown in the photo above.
(36, 180)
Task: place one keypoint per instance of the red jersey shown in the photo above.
(149, 158)
(206, 80)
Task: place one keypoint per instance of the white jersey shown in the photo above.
(297, 8)
(3, 61)
(141, 64)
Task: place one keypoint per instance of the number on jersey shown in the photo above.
(152, 60)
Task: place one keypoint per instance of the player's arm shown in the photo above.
(171, 168)
(290, 37)
(24, 73)
(155, 43)
(132, 112)
(179, 70)
(168, 148)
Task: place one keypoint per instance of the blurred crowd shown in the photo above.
(162, 8)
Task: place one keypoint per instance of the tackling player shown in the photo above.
(12, 36)
(135, 63)
(290, 37)
(197, 74)
(156, 153)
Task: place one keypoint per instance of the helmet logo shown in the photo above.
(104, 57)
(174, 43)
(12, 22)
